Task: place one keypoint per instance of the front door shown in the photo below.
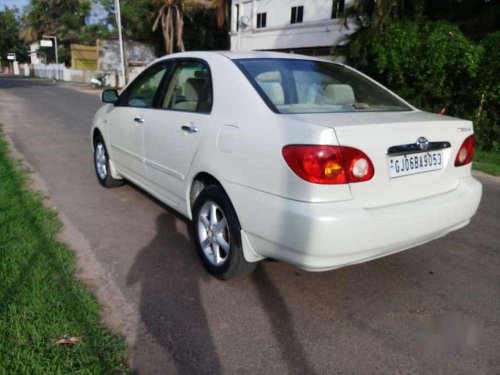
(174, 130)
(127, 120)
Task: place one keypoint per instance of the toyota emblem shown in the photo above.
(422, 143)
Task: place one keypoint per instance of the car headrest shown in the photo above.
(340, 94)
(194, 88)
(269, 77)
(201, 74)
(274, 91)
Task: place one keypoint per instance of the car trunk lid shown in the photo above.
(378, 133)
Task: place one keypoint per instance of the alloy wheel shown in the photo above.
(101, 161)
(213, 233)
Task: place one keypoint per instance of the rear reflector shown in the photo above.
(466, 152)
(324, 164)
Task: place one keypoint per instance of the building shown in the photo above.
(302, 26)
(83, 57)
(138, 54)
(35, 57)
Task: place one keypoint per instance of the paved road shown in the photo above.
(431, 310)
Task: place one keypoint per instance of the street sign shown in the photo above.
(46, 43)
(11, 56)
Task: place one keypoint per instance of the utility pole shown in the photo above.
(120, 36)
(55, 45)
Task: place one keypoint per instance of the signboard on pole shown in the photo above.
(46, 43)
(11, 56)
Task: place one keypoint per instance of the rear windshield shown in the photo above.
(308, 86)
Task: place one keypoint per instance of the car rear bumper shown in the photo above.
(324, 236)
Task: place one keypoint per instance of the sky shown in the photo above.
(97, 12)
(10, 3)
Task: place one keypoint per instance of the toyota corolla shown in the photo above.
(286, 157)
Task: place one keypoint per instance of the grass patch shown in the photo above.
(40, 300)
(487, 161)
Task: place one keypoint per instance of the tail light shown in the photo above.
(324, 164)
(466, 151)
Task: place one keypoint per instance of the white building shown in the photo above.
(302, 26)
(34, 55)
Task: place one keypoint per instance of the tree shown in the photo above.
(9, 37)
(475, 18)
(487, 117)
(431, 64)
(171, 19)
(369, 17)
(200, 18)
(63, 18)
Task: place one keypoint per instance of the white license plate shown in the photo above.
(404, 165)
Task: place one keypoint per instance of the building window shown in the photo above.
(237, 17)
(261, 20)
(338, 8)
(297, 14)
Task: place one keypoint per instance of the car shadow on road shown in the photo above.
(171, 308)
(169, 274)
(281, 321)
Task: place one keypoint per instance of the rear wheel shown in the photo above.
(101, 163)
(217, 235)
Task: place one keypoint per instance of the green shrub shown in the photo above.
(488, 91)
(433, 65)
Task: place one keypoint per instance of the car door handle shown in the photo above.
(189, 128)
(139, 120)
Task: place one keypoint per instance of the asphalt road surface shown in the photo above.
(434, 309)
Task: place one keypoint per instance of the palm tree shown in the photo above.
(171, 18)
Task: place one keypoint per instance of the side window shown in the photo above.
(142, 91)
(190, 88)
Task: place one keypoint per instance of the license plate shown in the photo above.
(404, 165)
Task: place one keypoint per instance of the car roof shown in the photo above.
(235, 55)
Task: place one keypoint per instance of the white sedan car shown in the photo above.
(286, 157)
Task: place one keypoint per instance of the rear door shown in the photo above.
(173, 131)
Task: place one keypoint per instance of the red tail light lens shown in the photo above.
(466, 151)
(323, 164)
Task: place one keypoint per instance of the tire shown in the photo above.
(218, 242)
(101, 164)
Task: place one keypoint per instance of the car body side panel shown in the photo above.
(256, 159)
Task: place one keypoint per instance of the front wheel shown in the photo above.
(217, 235)
(101, 163)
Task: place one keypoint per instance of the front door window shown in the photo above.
(142, 91)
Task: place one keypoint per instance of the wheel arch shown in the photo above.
(96, 132)
(198, 183)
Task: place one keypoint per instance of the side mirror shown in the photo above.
(109, 96)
